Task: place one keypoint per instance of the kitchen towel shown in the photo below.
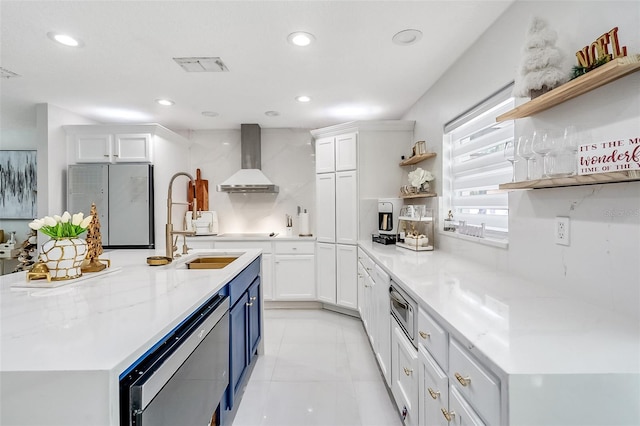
(304, 224)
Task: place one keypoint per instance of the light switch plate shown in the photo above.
(562, 230)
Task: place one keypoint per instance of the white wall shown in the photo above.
(287, 159)
(601, 264)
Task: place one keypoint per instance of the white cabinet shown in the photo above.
(404, 376)
(383, 327)
(346, 152)
(325, 155)
(460, 413)
(346, 211)
(294, 271)
(326, 208)
(326, 272)
(113, 148)
(346, 272)
(433, 390)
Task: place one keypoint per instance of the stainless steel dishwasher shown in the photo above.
(182, 379)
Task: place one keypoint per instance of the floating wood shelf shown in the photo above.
(593, 179)
(422, 195)
(417, 158)
(600, 76)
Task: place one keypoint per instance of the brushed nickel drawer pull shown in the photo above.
(434, 394)
(424, 335)
(464, 381)
(253, 298)
(407, 371)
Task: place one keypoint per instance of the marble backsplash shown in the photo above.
(288, 159)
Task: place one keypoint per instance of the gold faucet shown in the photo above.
(169, 232)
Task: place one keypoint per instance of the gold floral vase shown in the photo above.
(64, 257)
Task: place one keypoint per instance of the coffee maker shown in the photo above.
(388, 212)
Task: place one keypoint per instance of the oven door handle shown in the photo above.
(396, 297)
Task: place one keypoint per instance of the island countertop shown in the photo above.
(104, 322)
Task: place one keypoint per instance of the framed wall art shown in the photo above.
(18, 178)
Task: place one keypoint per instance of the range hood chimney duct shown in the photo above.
(250, 178)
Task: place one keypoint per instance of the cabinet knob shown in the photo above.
(253, 298)
(105, 155)
(250, 304)
(449, 415)
(464, 381)
(434, 394)
(407, 371)
(424, 335)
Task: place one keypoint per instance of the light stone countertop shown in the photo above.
(518, 326)
(104, 323)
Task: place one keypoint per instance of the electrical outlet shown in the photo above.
(562, 230)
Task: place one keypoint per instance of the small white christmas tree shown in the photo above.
(541, 67)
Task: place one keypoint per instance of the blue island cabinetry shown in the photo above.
(245, 326)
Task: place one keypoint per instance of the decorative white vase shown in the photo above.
(64, 257)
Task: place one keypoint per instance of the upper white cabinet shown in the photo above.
(113, 148)
(337, 153)
(325, 155)
(346, 147)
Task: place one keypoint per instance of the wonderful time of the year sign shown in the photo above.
(609, 156)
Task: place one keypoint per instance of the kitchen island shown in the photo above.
(63, 349)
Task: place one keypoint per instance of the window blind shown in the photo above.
(474, 147)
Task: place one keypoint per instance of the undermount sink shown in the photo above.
(210, 262)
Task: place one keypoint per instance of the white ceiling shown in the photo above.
(126, 61)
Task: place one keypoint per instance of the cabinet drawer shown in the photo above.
(479, 386)
(295, 247)
(460, 412)
(265, 246)
(433, 391)
(433, 338)
(366, 261)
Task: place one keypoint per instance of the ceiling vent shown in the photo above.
(201, 64)
(5, 73)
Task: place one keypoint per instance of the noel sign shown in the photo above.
(610, 156)
(599, 49)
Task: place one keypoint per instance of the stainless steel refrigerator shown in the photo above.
(123, 194)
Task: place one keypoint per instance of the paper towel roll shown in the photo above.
(304, 224)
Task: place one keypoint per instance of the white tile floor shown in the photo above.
(318, 369)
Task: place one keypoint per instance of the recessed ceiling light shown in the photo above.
(303, 98)
(407, 37)
(301, 38)
(165, 102)
(272, 113)
(65, 39)
(210, 113)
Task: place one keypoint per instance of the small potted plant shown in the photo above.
(65, 251)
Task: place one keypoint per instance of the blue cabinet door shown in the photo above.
(254, 318)
(238, 343)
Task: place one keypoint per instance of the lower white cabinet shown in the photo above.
(266, 278)
(404, 375)
(294, 271)
(326, 272)
(347, 272)
(460, 413)
(433, 391)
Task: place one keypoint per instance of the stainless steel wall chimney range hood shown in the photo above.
(249, 179)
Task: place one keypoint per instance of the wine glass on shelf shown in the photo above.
(510, 156)
(571, 143)
(542, 144)
(524, 150)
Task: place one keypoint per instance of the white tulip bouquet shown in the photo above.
(65, 226)
(420, 176)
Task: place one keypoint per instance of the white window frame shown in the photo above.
(474, 166)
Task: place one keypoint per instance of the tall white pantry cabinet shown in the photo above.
(356, 163)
